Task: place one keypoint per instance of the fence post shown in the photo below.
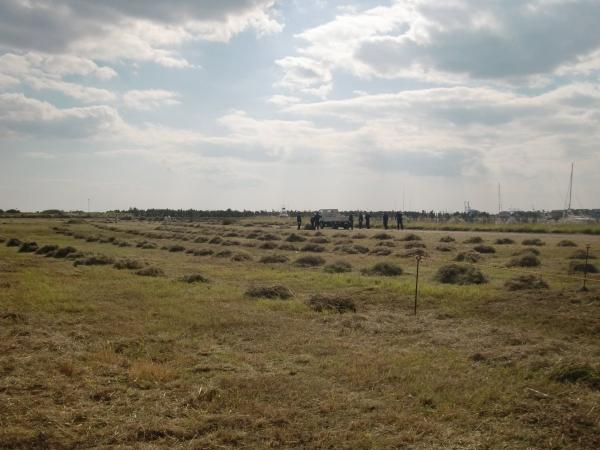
(585, 268)
(417, 283)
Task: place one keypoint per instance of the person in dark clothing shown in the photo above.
(317, 220)
(399, 221)
(360, 220)
(312, 222)
(368, 220)
(351, 221)
(385, 220)
(299, 220)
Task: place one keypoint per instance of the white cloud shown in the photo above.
(305, 75)
(283, 100)
(145, 100)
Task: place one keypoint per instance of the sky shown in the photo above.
(307, 104)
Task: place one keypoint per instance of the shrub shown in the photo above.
(268, 246)
(195, 278)
(274, 259)
(581, 254)
(566, 243)
(272, 292)
(410, 237)
(447, 239)
(484, 249)
(45, 249)
(94, 260)
(383, 236)
(150, 272)
(309, 261)
(338, 267)
(313, 248)
(176, 248)
(527, 260)
(525, 282)
(536, 242)
(474, 240)
(577, 266)
(329, 302)
(128, 264)
(14, 242)
(504, 241)
(288, 247)
(28, 247)
(203, 252)
(385, 269)
(241, 257)
(459, 274)
(295, 238)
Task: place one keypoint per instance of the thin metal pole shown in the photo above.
(417, 283)
(585, 269)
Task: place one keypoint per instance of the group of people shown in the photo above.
(364, 220)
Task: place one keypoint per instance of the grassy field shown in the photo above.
(92, 356)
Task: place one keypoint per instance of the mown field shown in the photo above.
(255, 335)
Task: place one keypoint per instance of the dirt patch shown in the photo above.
(582, 267)
(295, 238)
(536, 242)
(309, 261)
(338, 267)
(316, 248)
(469, 256)
(276, 291)
(150, 272)
(527, 260)
(566, 243)
(504, 241)
(385, 269)
(195, 278)
(274, 259)
(484, 249)
(474, 240)
(28, 247)
(130, 264)
(94, 260)
(459, 274)
(525, 282)
(331, 302)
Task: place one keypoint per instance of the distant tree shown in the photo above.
(12, 211)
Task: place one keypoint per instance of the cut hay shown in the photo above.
(381, 251)
(582, 267)
(63, 252)
(271, 292)
(94, 260)
(176, 248)
(45, 249)
(150, 272)
(331, 302)
(309, 261)
(445, 248)
(459, 274)
(581, 254)
(316, 248)
(269, 237)
(447, 239)
(268, 246)
(385, 269)
(504, 241)
(14, 242)
(383, 236)
(240, 257)
(536, 242)
(528, 250)
(359, 236)
(195, 278)
(414, 252)
(410, 245)
(295, 238)
(130, 264)
(410, 237)
(474, 240)
(525, 282)
(224, 254)
(566, 243)
(320, 240)
(577, 372)
(203, 252)
(338, 267)
(28, 247)
(274, 259)
(288, 247)
(484, 249)
(527, 260)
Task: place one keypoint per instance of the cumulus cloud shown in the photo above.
(145, 100)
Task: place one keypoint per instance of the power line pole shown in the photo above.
(499, 199)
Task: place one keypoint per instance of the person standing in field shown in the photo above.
(368, 220)
(317, 220)
(399, 221)
(351, 221)
(385, 220)
(312, 221)
(299, 220)
(360, 220)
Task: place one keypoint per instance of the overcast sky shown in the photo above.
(256, 104)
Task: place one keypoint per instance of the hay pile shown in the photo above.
(528, 250)
(527, 260)
(381, 251)
(309, 261)
(268, 246)
(385, 269)
(240, 257)
(94, 260)
(445, 248)
(581, 254)
(447, 239)
(383, 236)
(130, 264)
(536, 242)
(459, 274)
(474, 240)
(338, 267)
(484, 249)
(414, 252)
(45, 249)
(566, 243)
(313, 248)
(504, 241)
(295, 238)
(28, 247)
(582, 267)
(14, 242)
(276, 291)
(577, 372)
(288, 247)
(331, 302)
(150, 272)
(525, 282)
(469, 256)
(274, 259)
(410, 237)
(195, 278)
(176, 248)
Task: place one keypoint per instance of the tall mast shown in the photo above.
(570, 189)
(499, 200)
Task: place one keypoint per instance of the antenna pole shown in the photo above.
(499, 200)
(570, 188)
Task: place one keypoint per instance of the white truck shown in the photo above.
(332, 218)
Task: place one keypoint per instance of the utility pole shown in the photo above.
(499, 199)
(568, 210)
(88, 206)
